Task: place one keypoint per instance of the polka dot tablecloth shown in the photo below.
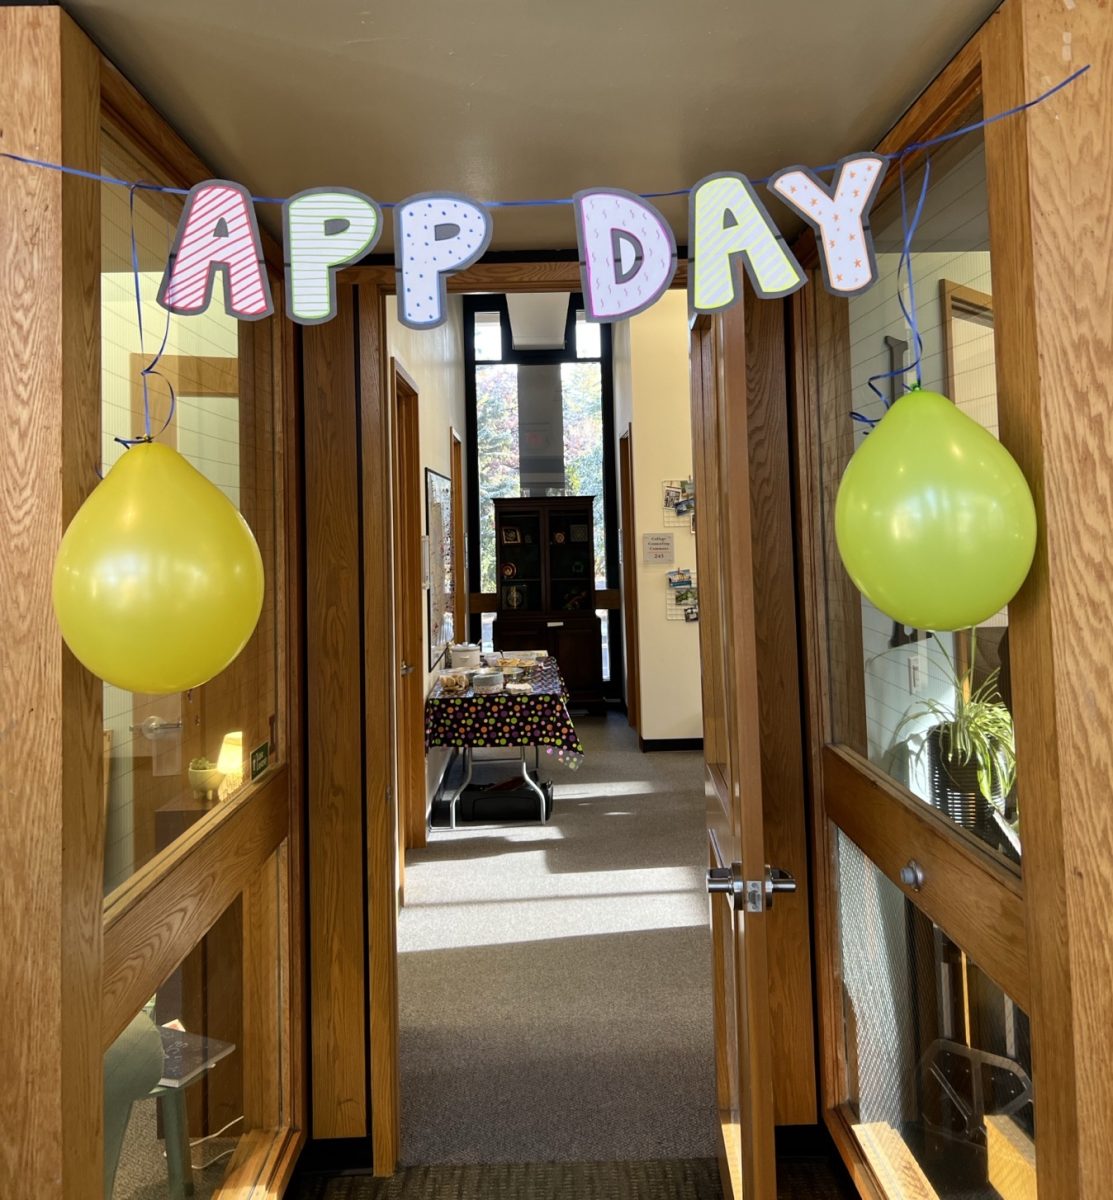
(504, 719)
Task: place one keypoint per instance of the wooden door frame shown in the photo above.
(80, 965)
(459, 565)
(771, 502)
(406, 580)
(629, 577)
(1043, 936)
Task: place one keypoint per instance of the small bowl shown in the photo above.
(485, 682)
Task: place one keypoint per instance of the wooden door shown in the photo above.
(964, 1003)
(408, 612)
(761, 963)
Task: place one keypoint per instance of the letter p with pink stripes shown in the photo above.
(217, 232)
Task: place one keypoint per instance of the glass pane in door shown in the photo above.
(931, 709)
(938, 1057)
(169, 760)
(186, 1087)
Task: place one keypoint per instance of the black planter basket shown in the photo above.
(955, 791)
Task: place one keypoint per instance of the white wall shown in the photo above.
(434, 358)
(652, 395)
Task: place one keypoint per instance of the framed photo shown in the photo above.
(511, 535)
(442, 585)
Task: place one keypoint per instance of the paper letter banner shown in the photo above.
(727, 220)
(838, 215)
(217, 232)
(323, 229)
(627, 253)
(434, 234)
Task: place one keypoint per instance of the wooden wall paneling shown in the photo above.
(149, 928)
(51, 755)
(782, 748)
(334, 634)
(289, 607)
(383, 820)
(262, 1048)
(1050, 174)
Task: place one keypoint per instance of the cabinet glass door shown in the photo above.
(519, 560)
(571, 561)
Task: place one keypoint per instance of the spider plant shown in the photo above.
(975, 727)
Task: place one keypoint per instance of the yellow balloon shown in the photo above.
(934, 520)
(158, 583)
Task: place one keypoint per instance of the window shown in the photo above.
(902, 686)
(542, 428)
(169, 760)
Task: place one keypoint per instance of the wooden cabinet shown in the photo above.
(545, 561)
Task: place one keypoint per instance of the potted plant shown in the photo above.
(971, 755)
(204, 778)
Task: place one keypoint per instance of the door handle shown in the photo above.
(153, 729)
(407, 668)
(749, 895)
(726, 880)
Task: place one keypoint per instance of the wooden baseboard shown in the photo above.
(652, 745)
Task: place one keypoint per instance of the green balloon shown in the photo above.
(934, 520)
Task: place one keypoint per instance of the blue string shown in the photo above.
(908, 310)
(150, 368)
(911, 148)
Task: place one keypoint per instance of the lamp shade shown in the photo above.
(230, 761)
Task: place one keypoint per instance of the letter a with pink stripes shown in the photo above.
(218, 232)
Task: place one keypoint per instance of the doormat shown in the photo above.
(681, 1179)
(694, 1179)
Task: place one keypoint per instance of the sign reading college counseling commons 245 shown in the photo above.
(627, 249)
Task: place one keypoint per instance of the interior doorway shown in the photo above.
(660, 831)
(380, 562)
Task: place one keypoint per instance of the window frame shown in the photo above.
(252, 844)
(480, 602)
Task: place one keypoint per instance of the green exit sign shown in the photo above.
(260, 757)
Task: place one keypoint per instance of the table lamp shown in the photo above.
(230, 763)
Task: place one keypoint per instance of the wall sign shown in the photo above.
(658, 548)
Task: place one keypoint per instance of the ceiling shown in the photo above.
(513, 99)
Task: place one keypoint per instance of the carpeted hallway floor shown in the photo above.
(555, 981)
